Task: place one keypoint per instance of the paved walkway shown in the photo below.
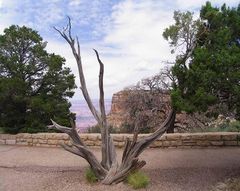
(53, 169)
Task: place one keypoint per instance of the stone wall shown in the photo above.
(177, 140)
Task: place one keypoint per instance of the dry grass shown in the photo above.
(232, 184)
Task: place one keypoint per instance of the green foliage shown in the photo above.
(90, 176)
(231, 184)
(129, 128)
(224, 127)
(138, 180)
(97, 129)
(34, 85)
(207, 69)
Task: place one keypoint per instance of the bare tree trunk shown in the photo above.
(172, 125)
(108, 170)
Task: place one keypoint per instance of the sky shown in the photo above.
(127, 34)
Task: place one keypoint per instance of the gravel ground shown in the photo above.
(53, 169)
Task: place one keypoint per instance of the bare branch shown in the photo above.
(77, 56)
(108, 170)
(101, 100)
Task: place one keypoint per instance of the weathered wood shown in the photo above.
(108, 171)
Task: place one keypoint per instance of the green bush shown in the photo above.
(128, 128)
(97, 129)
(90, 176)
(138, 180)
(224, 127)
(232, 184)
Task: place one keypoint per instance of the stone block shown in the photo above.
(199, 136)
(229, 137)
(65, 136)
(52, 142)
(203, 143)
(188, 142)
(10, 142)
(59, 142)
(2, 142)
(58, 136)
(118, 138)
(44, 145)
(92, 137)
(120, 144)
(84, 137)
(173, 137)
(8, 136)
(20, 135)
(213, 137)
(162, 138)
(217, 143)
(156, 144)
(97, 143)
(143, 135)
(42, 141)
(176, 143)
(185, 147)
(35, 141)
(230, 143)
(22, 143)
(127, 136)
(27, 135)
(39, 136)
(90, 143)
(29, 140)
(186, 137)
(166, 143)
(49, 135)
(69, 143)
(20, 140)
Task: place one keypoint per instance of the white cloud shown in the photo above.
(130, 39)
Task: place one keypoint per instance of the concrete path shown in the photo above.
(53, 169)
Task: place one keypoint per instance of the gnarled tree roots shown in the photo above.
(116, 172)
(108, 171)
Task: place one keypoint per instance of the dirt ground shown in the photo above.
(53, 169)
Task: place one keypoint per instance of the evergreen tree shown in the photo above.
(208, 71)
(34, 85)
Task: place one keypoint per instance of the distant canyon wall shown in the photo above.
(117, 114)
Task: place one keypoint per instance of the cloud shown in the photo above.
(127, 34)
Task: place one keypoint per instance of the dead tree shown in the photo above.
(108, 171)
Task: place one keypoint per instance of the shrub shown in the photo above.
(90, 176)
(224, 127)
(129, 128)
(232, 184)
(138, 180)
(97, 129)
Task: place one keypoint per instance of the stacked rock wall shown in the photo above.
(177, 140)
